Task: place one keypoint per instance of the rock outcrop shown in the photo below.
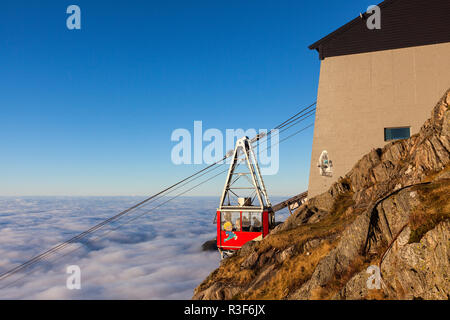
(391, 210)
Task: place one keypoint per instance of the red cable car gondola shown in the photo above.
(238, 219)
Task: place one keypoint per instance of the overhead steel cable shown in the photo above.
(290, 136)
(306, 116)
(294, 120)
(126, 211)
(295, 115)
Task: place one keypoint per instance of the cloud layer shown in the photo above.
(157, 256)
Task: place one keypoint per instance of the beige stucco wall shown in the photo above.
(359, 95)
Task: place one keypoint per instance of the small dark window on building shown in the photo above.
(396, 133)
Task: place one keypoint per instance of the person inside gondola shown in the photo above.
(245, 222)
(237, 225)
(256, 225)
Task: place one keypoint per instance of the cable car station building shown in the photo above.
(377, 85)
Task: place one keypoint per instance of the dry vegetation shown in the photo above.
(295, 271)
(434, 207)
(290, 275)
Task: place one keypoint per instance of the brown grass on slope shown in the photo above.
(434, 208)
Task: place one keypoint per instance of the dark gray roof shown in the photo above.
(404, 23)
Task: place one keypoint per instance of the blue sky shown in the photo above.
(91, 111)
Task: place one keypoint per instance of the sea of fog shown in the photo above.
(155, 256)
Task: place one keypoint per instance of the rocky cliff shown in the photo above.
(391, 211)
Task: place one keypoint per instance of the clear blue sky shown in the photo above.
(91, 111)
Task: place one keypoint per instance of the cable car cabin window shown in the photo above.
(256, 223)
(233, 218)
(396, 133)
(251, 222)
